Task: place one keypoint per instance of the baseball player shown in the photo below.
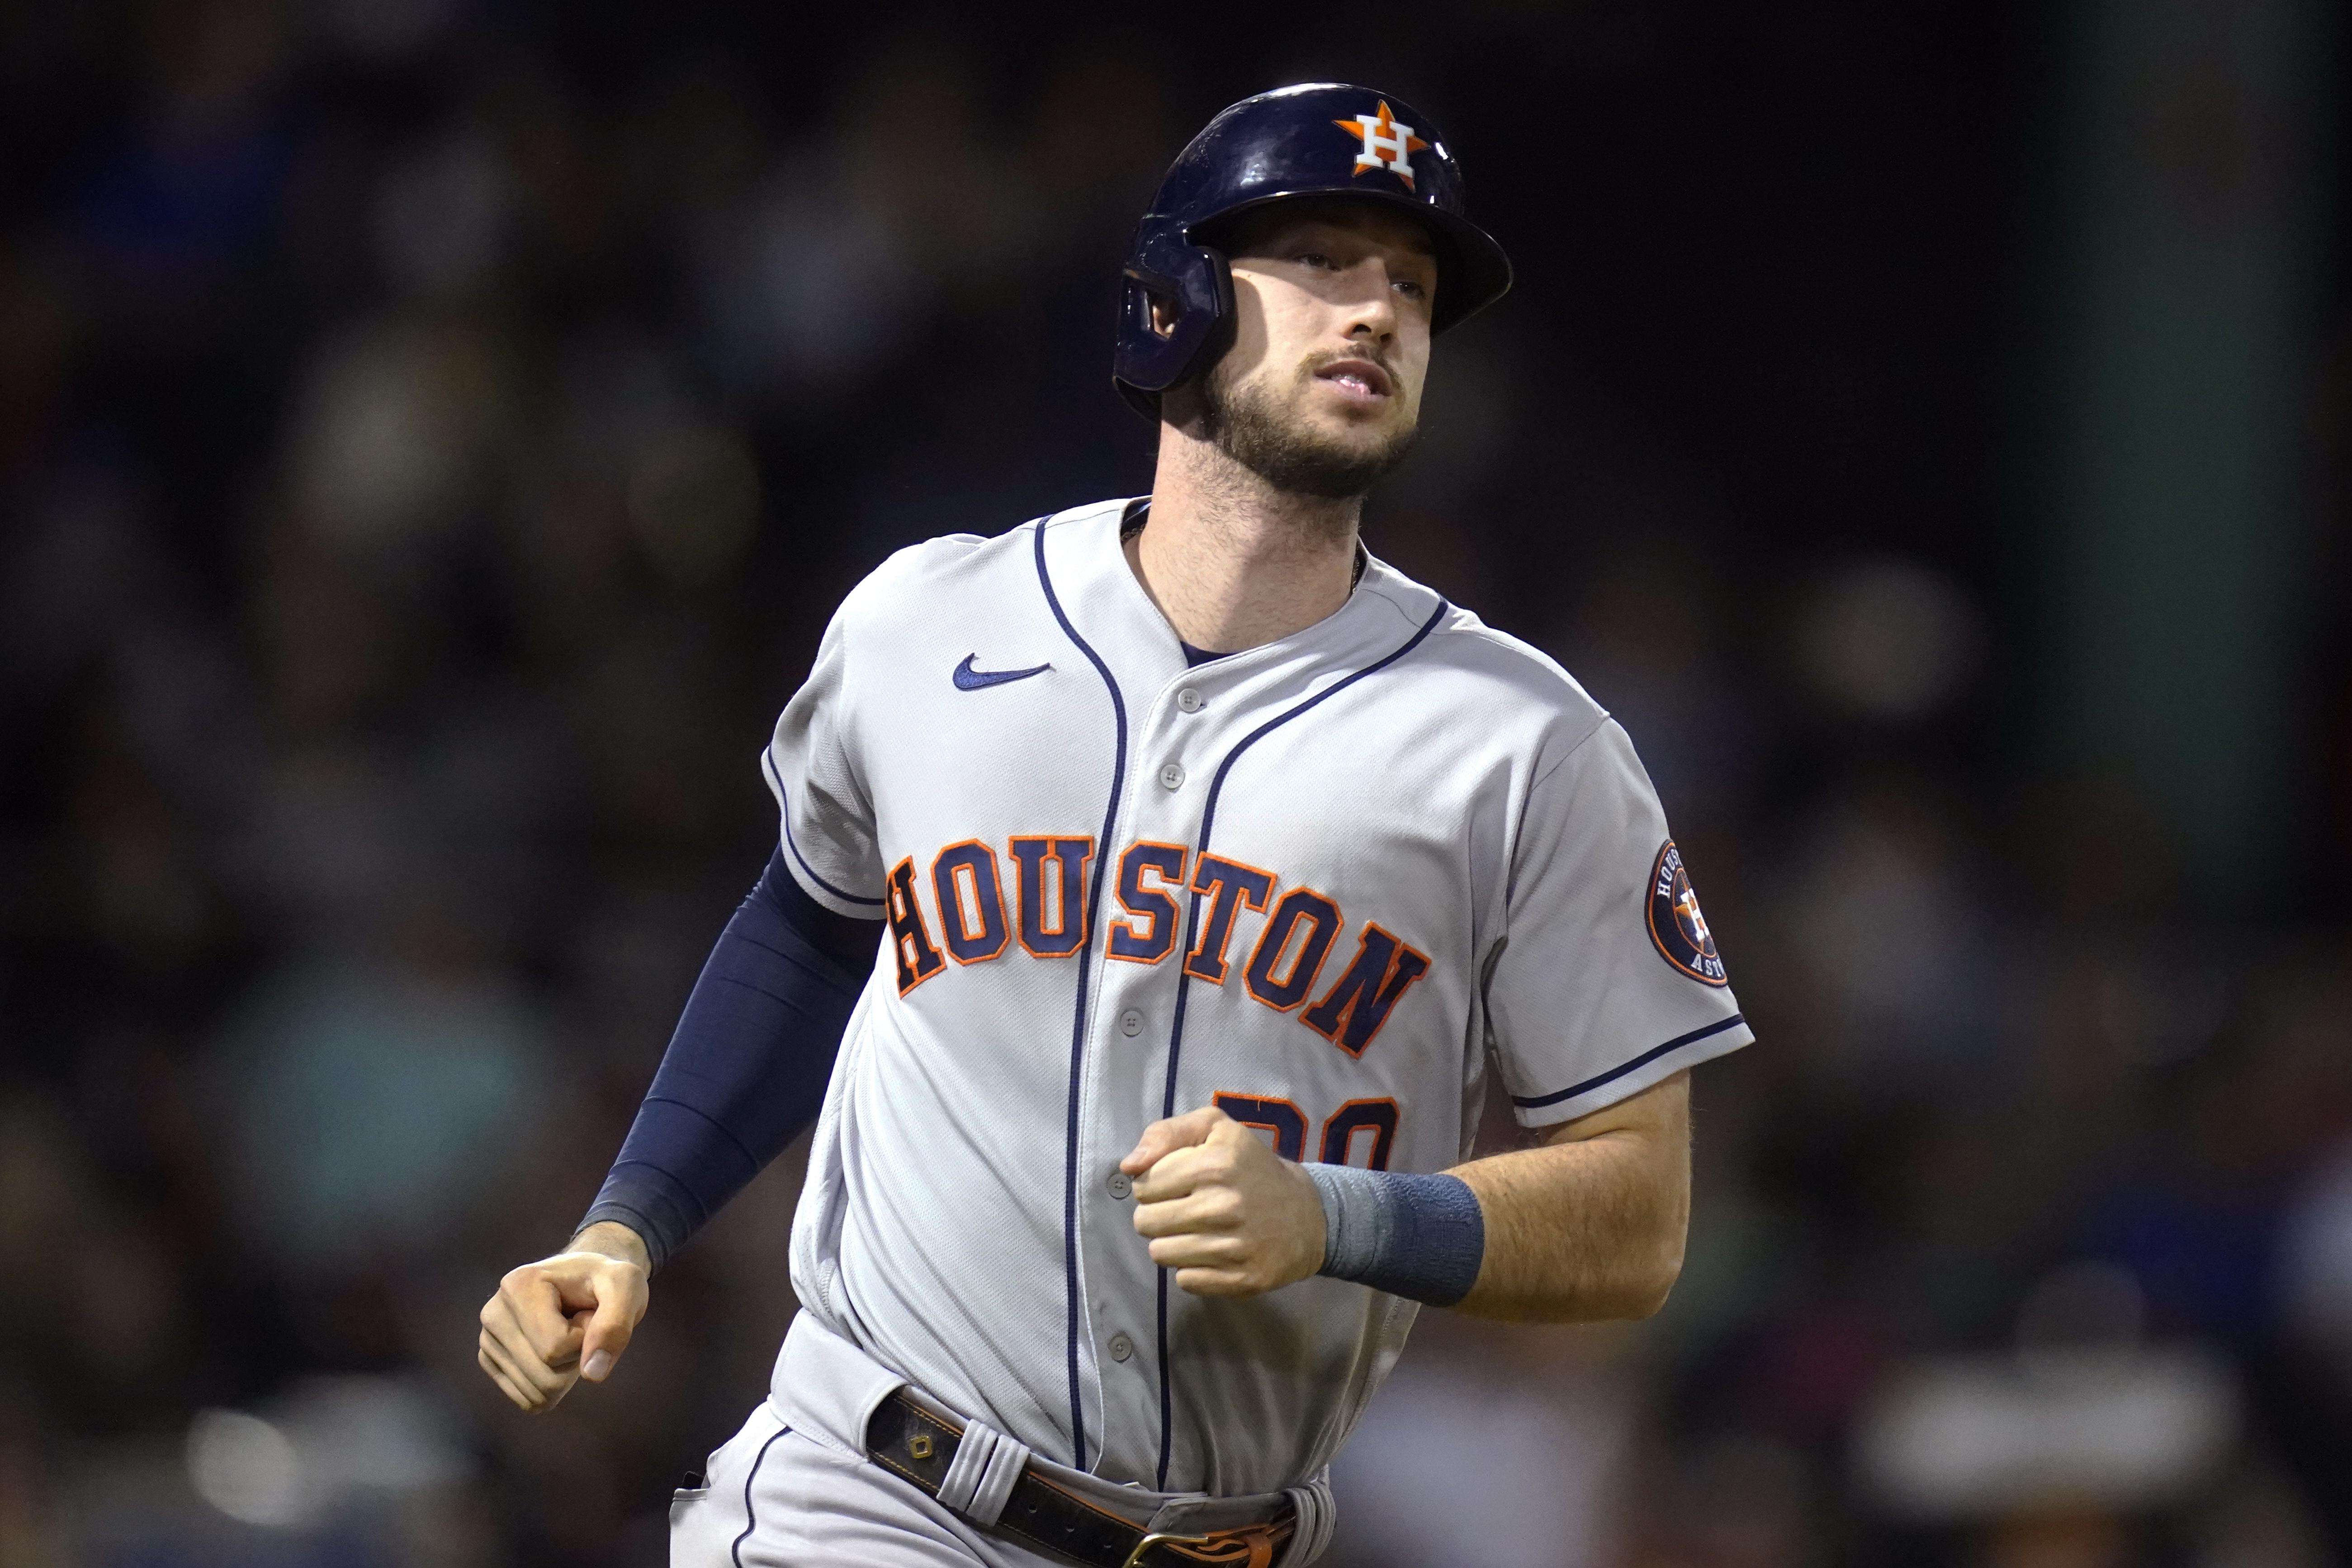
(1157, 883)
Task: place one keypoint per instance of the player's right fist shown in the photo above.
(564, 1317)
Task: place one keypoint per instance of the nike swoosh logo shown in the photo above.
(970, 679)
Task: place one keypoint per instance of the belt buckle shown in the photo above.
(1255, 1544)
(1160, 1538)
(1163, 1539)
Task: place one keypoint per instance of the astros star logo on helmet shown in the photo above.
(1387, 145)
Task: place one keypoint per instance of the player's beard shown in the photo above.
(1256, 430)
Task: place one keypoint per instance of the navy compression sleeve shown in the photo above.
(746, 1071)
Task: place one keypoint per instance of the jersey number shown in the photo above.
(1282, 1118)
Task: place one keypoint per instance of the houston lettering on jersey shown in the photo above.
(975, 909)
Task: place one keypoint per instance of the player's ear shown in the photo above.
(1163, 315)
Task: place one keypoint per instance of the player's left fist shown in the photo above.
(1229, 1216)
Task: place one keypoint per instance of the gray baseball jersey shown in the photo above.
(1317, 883)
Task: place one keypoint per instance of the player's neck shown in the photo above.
(1231, 560)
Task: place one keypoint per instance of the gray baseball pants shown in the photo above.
(794, 1489)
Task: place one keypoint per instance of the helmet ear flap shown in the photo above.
(1191, 278)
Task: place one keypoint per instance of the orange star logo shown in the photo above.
(1688, 907)
(1387, 145)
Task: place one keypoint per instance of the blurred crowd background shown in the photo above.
(433, 433)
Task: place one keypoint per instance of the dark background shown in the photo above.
(433, 433)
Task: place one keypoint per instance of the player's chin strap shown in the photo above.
(985, 1476)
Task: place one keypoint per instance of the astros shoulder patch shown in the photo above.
(1675, 925)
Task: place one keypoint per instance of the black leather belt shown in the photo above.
(920, 1446)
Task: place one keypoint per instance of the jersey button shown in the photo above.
(1130, 1023)
(1171, 777)
(1119, 1185)
(1122, 1347)
(1189, 700)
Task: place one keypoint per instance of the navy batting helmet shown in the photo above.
(1318, 139)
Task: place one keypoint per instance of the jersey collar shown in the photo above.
(1108, 607)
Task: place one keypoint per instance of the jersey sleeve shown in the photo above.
(828, 839)
(1608, 981)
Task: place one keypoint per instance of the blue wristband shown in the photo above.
(1421, 1238)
